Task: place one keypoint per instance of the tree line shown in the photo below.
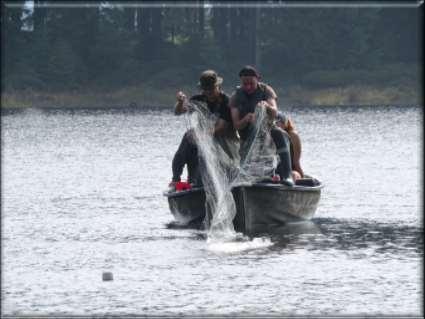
(105, 45)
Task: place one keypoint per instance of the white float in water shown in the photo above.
(107, 276)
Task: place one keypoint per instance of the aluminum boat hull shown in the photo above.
(259, 206)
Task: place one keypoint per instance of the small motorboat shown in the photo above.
(259, 206)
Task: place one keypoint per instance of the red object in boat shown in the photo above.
(182, 186)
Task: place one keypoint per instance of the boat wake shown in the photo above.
(238, 245)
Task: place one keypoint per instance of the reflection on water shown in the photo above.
(196, 224)
(329, 233)
(82, 194)
(346, 235)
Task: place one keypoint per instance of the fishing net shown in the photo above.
(258, 152)
(223, 165)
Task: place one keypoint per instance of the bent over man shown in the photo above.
(251, 94)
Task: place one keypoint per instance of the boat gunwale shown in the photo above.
(284, 187)
(275, 186)
(174, 194)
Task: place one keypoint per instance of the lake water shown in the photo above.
(82, 194)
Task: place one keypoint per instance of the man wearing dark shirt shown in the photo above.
(252, 94)
(218, 104)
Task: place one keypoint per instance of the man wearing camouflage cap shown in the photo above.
(217, 103)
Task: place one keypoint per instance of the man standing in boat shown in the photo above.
(217, 103)
(245, 99)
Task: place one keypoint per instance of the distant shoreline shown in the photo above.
(153, 98)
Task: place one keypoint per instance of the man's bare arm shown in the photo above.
(296, 143)
(271, 102)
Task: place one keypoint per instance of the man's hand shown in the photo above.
(270, 108)
(263, 104)
(181, 97)
(249, 118)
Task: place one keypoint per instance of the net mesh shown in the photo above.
(223, 165)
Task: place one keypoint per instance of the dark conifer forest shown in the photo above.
(51, 46)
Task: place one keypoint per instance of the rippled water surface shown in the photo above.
(82, 194)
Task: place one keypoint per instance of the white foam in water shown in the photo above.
(220, 172)
(238, 246)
